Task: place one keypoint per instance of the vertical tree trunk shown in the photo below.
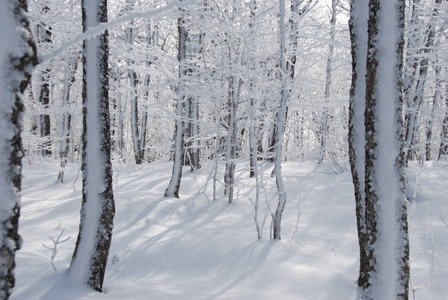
(328, 79)
(386, 205)
(253, 155)
(443, 152)
(66, 116)
(194, 48)
(298, 8)
(356, 130)
(281, 121)
(18, 57)
(173, 187)
(89, 259)
(44, 126)
(417, 99)
(117, 118)
(435, 99)
(144, 119)
(232, 136)
(133, 81)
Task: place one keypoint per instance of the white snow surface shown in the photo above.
(195, 248)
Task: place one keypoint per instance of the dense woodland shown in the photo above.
(350, 85)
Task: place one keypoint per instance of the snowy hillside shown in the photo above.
(196, 248)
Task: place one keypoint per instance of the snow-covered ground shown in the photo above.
(196, 248)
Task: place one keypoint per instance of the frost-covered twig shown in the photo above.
(54, 248)
(443, 218)
(299, 213)
(92, 32)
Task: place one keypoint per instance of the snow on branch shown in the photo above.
(95, 31)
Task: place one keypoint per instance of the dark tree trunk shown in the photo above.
(356, 130)
(89, 259)
(385, 201)
(67, 117)
(17, 65)
(232, 136)
(173, 187)
(417, 99)
(435, 99)
(443, 152)
(117, 119)
(44, 37)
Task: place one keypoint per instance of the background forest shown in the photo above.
(232, 73)
(231, 90)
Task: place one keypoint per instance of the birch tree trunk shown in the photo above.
(18, 58)
(89, 260)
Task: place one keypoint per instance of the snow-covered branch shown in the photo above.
(92, 32)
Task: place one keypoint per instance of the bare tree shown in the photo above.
(382, 214)
(69, 79)
(414, 94)
(18, 57)
(356, 130)
(281, 121)
(89, 259)
(43, 124)
(173, 187)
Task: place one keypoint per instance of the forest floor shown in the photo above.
(199, 248)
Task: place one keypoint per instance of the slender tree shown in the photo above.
(69, 79)
(328, 81)
(89, 259)
(43, 33)
(17, 58)
(443, 152)
(173, 187)
(134, 82)
(281, 121)
(414, 99)
(356, 130)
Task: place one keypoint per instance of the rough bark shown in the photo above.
(17, 65)
(356, 129)
(386, 205)
(89, 259)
